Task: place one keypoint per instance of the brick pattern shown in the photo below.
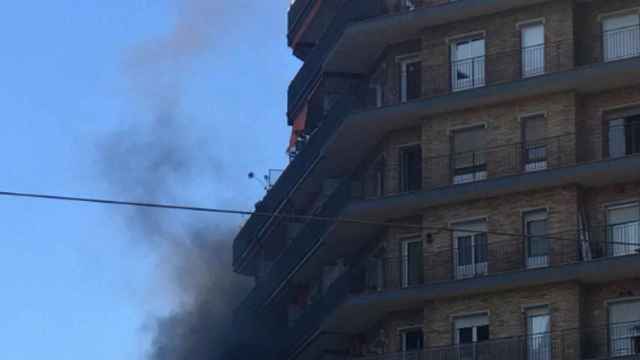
(504, 127)
(589, 27)
(592, 110)
(505, 310)
(503, 48)
(503, 214)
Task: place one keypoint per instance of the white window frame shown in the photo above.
(534, 340)
(404, 63)
(632, 230)
(538, 165)
(468, 177)
(533, 262)
(476, 65)
(627, 340)
(465, 229)
(532, 51)
(633, 36)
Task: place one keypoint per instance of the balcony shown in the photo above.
(618, 340)
(362, 31)
(442, 174)
(366, 285)
(311, 72)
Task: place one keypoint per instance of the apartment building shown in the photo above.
(464, 184)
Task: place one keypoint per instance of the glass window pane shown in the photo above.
(465, 335)
(482, 333)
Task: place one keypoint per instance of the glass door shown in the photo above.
(623, 235)
(538, 247)
(621, 37)
(470, 249)
(532, 37)
(467, 63)
(412, 263)
(470, 332)
(538, 331)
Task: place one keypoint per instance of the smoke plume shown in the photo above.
(163, 157)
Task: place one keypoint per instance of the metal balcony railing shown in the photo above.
(311, 71)
(486, 162)
(468, 73)
(496, 254)
(621, 43)
(490, 255)
(617, 340)
(307, 238)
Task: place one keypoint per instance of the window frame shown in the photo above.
(522, 27)
(541, 214)
(602, 18)
(406, 268)
(404, 78)
(455, 61)
(403, 178)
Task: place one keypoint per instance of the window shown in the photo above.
(623, 230)
(412, 343)
(532, 38)
(538, 247)
(469, 332)
(538, 333)
(411, 80)
(535, 149)
(624, 328)
(624, 136)
(467, 63)
(412, 263)
(621, 36)
(470, 249)
(469, 159)
(410, 168)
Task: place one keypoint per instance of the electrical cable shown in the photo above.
(253, 213)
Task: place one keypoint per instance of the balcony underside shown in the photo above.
(336, 154)
(369, 127)
(362, 43)
(345, 238)
(595, 174)
(360, 312)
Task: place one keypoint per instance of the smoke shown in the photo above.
(162, 156)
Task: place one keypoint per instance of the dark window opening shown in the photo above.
(410, 168)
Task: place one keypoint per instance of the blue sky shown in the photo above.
(73, 285)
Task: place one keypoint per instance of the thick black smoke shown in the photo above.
(162, 157)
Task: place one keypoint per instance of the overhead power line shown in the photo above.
(151, 205)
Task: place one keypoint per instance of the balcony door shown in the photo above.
(624, 136)
(469, 154)
(412, 344)
(467, 63)
(538, 334)
(470, 249)
(412, 263)
(410, 168)
(532, 38)
(535, 147)
(621, 36)
(470, 332)
(538, 247)
(623, 230)
(624, 328)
